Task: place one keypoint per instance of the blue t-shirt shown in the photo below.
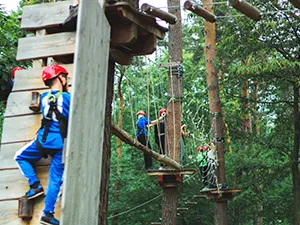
(142, 123)
(54, 139)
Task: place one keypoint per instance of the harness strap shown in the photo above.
(45, 151)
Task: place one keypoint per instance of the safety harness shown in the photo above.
(46, 122)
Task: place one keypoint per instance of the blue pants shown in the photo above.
(30, 154)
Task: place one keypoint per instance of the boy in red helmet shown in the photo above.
(143, 124)
(55, 106)
(159, 134)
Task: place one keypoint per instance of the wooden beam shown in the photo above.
(122, 34)
(126, 138)
(246, 9)
(31, 79)
(7, 153)
(199, 11)
(153, 11)
(86, 130)
(136, 19)
(51, 45)
(295, 3)
(20, 129)
(40, 16)
(13, 184)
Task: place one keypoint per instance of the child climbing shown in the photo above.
(183, 135)
(13, 74)
(202, 161)
(159, 134)
(55, 106)
(143, 123)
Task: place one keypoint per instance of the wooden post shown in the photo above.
(173, 120)
(199, 11)
(245, 8)
(80, 204)
(221, 217)
(296, 3)
(151, 10)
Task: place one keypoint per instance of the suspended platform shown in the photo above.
(170, 177)
(219, 195)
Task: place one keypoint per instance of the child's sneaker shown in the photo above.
(35, 191)
(48, 219)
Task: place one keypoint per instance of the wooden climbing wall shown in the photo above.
(48, 40)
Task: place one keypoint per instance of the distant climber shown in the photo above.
(143, 123)
(13, 74)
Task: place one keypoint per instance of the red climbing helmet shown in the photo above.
(53, 71)
(13, 72)
(205, 147)
(162, 111)
(200, 148)
(140, 112)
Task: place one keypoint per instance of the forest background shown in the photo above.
(259, 70)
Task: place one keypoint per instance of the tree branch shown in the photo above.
(126, 138)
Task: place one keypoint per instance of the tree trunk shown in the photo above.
(221, 217)
(295, 158)
(103, 204)
(173, 120)
(119, 145)
(169, 205)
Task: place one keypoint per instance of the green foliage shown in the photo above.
(9, 34)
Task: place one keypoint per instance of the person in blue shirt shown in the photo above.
(13, 74)
(143, 123)
(55, 106)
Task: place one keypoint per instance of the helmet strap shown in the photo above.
(63, 86)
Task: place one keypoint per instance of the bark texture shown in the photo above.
(103, 204)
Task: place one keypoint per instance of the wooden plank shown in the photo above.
(31, 79)
(51, 45)
(23, 128)
(7, 154)
(86, 130)
(14, 185)
(18, 103)
(170, 172)
(36, 17)
(9, 213)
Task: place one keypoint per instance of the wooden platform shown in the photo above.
(220, 195)
(132, 33)
(157, 172)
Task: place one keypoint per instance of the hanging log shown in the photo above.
(126, 138)
(199, 11)
(246, 9)
(153, 11)
(295, 3)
